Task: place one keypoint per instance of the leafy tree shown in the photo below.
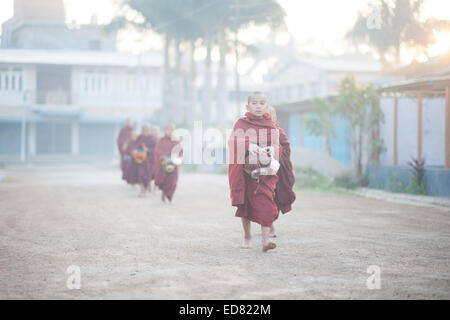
(320, 124)
(360, 105)
(398, 25)
(187, 21)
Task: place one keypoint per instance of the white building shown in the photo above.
(303, 77)
(72, 102)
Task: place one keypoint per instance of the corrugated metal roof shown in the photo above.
(82, 58)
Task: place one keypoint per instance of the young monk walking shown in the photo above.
(253, 195)
(284, 193)
(123, 139)
(130, 169)
(168, 153)
(154, 132)
(143, 155)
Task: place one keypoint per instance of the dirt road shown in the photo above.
(129, 247)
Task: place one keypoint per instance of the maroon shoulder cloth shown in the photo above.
(284, 193)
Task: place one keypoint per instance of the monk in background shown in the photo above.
(123, 139)
(167, 147)
(144, 158)
(130, 166)
(154, 132)
(284, 193)
(254, 198)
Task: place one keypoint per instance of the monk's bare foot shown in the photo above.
(246, 244)
(163, 197)
(269, 246)
(272, 234)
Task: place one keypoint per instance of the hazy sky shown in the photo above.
(321, 24)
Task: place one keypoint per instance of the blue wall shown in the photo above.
(340, 145)
(294, 130)
(437, 179)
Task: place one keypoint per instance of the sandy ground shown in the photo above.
(129, 247)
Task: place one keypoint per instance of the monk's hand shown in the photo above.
(253, 148)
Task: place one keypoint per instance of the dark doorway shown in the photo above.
(53, 85)
(53, 138)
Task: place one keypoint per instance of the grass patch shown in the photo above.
(9, 179)
(310, 180)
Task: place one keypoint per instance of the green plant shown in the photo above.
(307, 178)
(320, 124)
(416, 184)
(396, 185)
(348, 180)
(415, 188)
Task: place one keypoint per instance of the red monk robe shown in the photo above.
(145, 169)
(284, 193)
(123, 139)
(166, 182)
(130, 166)
(254, 199)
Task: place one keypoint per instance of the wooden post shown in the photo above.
(395, 130)
(447, 128)
(419, 124)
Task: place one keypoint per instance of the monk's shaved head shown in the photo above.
(146, 128)
(257, 104)
(154, 131)
(255, 94)
(129, 122)
(168, 130)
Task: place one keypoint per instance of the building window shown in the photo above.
(11, 79)
(96, 81)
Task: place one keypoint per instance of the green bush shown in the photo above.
(311, 178)
(396, 185)
(414, 188)
(348, 180)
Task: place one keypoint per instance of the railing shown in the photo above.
(58, 97)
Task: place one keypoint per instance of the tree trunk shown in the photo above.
(236, 74)
(365, 144)
(326, 135)
(206, 110)
(178, 108)
(326, 145)
(355, 142)
(192, 90)
(222, 83)
(166, 81)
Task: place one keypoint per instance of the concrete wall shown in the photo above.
(432, 135)
(317, 160)
(339, 145)
(437, 180)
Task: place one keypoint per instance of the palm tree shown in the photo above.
(186, 21)
(398, 26)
